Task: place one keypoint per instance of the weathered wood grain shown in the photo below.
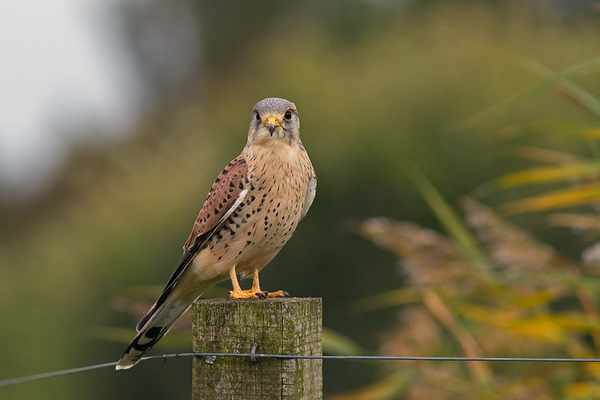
(279, 326)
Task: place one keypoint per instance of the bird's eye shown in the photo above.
(256, 115)
(288, 115)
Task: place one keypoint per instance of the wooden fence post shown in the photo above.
(279, 326)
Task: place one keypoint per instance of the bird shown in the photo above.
(251, 211)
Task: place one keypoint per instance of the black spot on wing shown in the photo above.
(153, 332)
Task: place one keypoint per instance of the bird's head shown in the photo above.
(274, 120)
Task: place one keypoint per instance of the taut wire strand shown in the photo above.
(254, 356)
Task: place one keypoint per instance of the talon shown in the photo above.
(252, 293)
(279, 293)
(247, 294)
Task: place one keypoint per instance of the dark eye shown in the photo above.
(288, 115)
(256, 115)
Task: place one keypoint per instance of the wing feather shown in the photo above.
(226, 194)
(311, 192)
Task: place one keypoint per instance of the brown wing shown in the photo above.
(226, 194)
(311, 192)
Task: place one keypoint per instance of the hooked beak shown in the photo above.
(272, 123)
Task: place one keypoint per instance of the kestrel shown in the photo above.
(251, 211)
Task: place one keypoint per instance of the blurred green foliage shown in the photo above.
(376, 83)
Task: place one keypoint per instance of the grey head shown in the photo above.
(274, 120)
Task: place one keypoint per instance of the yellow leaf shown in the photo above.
(509, 320)
(549, 174)
(570, 197)
(539, 328)
(521, 302)
(546, 327)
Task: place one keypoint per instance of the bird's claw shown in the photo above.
(247, 294)
(279, 293)
(253, 294)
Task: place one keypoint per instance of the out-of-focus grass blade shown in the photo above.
(576, 130)
(580, 97)
(339, 345)
(546, 327)
(573, 92)
(569, 167)
(581, 167)
(448, 218)
(563, 278)
(439, 308)
(524, 301)
(574, 221)
(545, 155)
(388, 299)
(540, 175)
(584, 98)
(575, 196)
(542, 328)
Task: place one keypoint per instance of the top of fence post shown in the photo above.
(290, 326)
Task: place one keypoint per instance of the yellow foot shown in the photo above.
(246, 294)
(251, 294)
(279, 293)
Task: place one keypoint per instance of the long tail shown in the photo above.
(158, 325)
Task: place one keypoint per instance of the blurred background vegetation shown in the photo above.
(406, 107)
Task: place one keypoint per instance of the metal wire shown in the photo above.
(254, 356)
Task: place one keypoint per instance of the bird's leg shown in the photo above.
(234, 280)
(256, 288)
(238, 293)
(255, 284)
(254, 291)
